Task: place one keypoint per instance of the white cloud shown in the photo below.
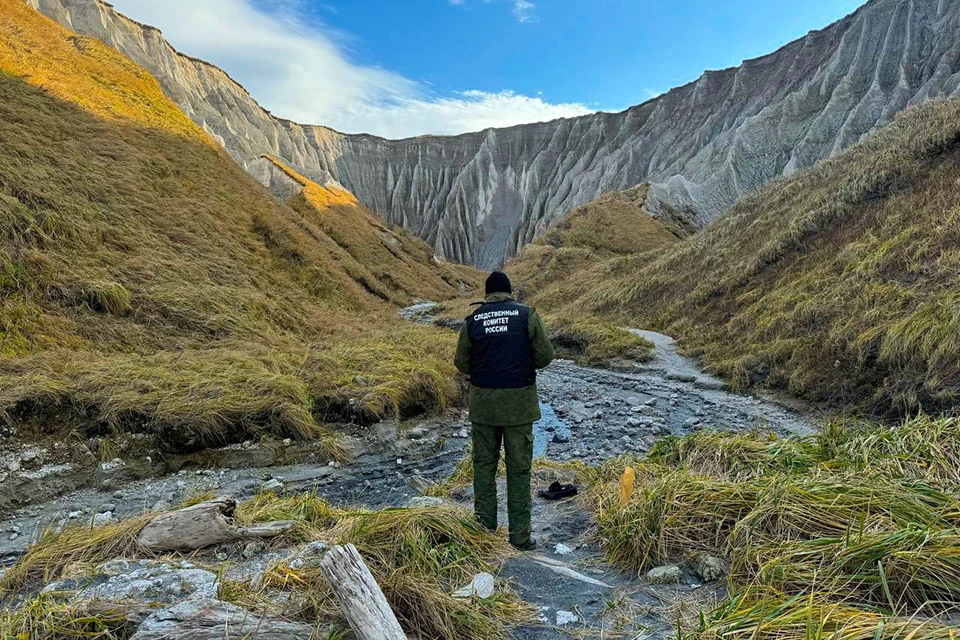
(466, 111)
(305, 73)
(524, 11)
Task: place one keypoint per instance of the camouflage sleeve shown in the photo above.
(540, 341)
(462, 359)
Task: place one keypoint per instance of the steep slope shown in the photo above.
(148, 284)
(478, 198)
(391, 263)
(574, 254)
(840, 283)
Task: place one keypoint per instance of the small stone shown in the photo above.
(73, 515)
(107, 506)
(297, 563)
(419, 484)
(559, 438)
(102, 518)
(668, 574)
(425, 502)
(287, 442)
(566, 617)
(708, 567)
(14, 535)
(691, 422)
(417, 432)
(562, 550)
(272, 486)
(314, 549)
(252, 549)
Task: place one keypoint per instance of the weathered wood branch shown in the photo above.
(203, 525)
(361, 599)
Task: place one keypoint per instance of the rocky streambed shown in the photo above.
(590, 415)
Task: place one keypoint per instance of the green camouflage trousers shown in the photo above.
(518, 446)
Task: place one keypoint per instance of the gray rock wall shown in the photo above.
(479, 197)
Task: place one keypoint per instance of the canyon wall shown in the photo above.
(479, 197)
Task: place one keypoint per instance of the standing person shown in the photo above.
(501, 346)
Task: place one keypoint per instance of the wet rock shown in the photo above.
(419, 484)
(273, 485)
(668, 574)
(212, 619)
(482, 586)
(708, 568)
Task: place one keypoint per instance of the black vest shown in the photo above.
(500, 353)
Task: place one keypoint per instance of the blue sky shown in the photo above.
(399, 68)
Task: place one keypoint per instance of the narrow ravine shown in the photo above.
(589, 415)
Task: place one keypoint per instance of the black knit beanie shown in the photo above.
(498, 282)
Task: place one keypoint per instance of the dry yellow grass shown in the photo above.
(148, 284)
(392, 263)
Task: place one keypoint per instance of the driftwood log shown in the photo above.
(203, 525)
(361, 599)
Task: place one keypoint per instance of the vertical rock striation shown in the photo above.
(477, 198)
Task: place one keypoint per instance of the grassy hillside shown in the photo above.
(552, 269)
(148, 284)
(391, 262)
(840, 283)
(585, 247)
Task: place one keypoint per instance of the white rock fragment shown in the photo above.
(482, 586)
(566, 617)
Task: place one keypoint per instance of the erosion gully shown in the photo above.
(588, 415)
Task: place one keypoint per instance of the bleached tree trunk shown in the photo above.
(203, 525)
(361, 599)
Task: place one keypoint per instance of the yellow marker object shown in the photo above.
(626, 485)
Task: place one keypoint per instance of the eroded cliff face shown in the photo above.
(477, 198)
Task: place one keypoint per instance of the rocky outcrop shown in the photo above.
(478, 197)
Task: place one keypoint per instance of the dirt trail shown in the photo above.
(589, 415)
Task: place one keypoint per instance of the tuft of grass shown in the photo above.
(49, 558)
(592, 342)
(47, 618)
(769, 616)
(418, 556)
(846, 534)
